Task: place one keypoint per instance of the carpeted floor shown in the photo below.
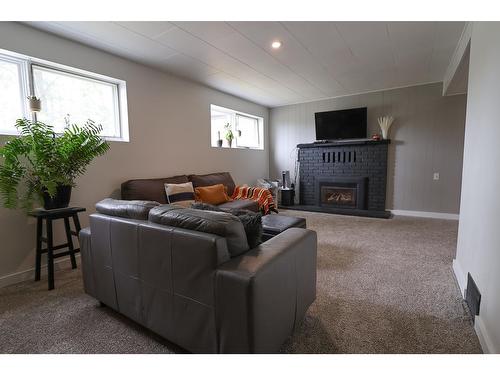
(384, 286)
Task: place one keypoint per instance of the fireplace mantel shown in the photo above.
(353, 142)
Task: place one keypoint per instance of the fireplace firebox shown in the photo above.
(338, 196)
(342, 192)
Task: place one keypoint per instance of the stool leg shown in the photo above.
(76, 221)
(50, 254)
(38, 264)
(70, 242)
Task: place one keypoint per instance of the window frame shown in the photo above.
(24, 86)
(237, 116)
(28, 89)
(234, 126)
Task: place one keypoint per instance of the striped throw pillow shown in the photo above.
(180, 194)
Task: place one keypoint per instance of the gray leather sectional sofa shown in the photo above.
(184, 284)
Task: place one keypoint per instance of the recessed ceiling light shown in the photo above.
(276, 44)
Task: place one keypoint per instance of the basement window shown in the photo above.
(12, 94)
(247, 130)
(65, 93)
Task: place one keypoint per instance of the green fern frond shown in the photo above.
(40, 160)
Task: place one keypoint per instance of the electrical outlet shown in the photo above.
(436, 176)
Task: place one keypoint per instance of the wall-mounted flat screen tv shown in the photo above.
(342, 124)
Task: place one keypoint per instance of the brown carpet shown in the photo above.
(384, 286)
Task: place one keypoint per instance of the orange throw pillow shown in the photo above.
(214, 194)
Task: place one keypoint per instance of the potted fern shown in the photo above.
(40, 165)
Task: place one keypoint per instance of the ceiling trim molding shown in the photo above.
(457, 57)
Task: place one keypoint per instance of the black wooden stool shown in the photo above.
(49, 216)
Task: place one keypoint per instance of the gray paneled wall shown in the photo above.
(427, 136)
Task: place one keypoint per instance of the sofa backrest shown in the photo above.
(153, 189)
(219, 223)
(149, 189)
(223, 178)
(129, 209)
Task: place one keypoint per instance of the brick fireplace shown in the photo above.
(344, 177)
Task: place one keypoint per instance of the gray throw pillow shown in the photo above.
(220, 223)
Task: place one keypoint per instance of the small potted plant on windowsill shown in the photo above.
(40, 165)
(229, 134)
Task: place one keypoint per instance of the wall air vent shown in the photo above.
(339, 157)
(472, 296)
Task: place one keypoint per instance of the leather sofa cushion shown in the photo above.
(252, 221)
(220, 223)
(275, 224)
(241, 204)
(133, 209)
(214, 194)
(223, 178)
(151, 189)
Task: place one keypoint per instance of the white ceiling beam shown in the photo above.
(455, 68)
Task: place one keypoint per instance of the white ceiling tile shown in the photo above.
(234, 86)
(317, 59)
(292, 53)
(118, 38)
(323, 41)
(187, 43)
(368, 41)
(188, 67)
(412, 45)
(234, 44)
(412, 35)
(209, 30)
(150, 29)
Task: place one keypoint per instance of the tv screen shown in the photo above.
(343, 124)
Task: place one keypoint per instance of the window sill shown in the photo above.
(116, 139)
(238, 148)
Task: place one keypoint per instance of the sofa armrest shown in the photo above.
(262, 295)
(98, 280)
(86, 259)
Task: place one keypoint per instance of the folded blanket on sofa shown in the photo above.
(262, 196)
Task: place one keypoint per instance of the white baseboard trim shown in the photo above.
(460, 277)
(484, 339)
(29, 274)
(432, 215)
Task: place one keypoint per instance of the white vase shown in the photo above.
(35, 104)
(385, 133)
(385, 123)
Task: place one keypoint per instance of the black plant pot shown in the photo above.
(60, 200)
